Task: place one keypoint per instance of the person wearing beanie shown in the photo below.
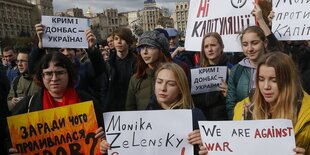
(153, 49)
(122, 64)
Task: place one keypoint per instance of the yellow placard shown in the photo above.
(63, 130)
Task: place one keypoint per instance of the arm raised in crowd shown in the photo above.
(94, 54)
(37, 51)
(273, 43)
(257, 12)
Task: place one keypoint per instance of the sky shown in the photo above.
(97, 6)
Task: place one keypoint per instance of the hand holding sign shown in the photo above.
(90, 38)
(39, 31)
(104, 146)
(64, 32)
(203, 150)
(194, 137)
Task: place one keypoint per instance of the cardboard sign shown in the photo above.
(267, 137)
(227, 17)
(151, 132)
(64, 32)
(292, 19)
(63, 130)
(207, 79)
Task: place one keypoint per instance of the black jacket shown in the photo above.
(213, 104)
(4, 111)
(120, 73)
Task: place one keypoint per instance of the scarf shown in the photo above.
(69, 97)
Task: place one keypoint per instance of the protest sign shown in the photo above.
(291, 20)
(64, 32)
(63, 130)
(267, 137)
(207, 79)
(149, 132)
(227, 17)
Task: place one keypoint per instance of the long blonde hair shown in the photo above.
(289, 85)
(185, 100)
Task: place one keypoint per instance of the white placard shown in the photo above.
(207, 79)
(64, 32)
(267, 137)
(292, 19)
(153, 132)
(227, 17)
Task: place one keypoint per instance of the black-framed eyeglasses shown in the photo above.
(49, 74)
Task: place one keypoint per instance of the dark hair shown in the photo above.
(60, 61)
(103, 43)
(23, 51)
(109, 35)
(6, 49)
(126, 34)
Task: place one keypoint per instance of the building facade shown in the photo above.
(75, 12)
(72, 12)
(150, 15)
(180, 16)
(112, 17)
(105, 23)
(17, 17)
(45, 6)
(99, 25)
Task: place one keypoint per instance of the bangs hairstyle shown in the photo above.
(289, 85)
(141, 66)
(60, 60)
(204, 62)
(185, 100)
(126, 34)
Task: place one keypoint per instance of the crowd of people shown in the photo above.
(153, 73)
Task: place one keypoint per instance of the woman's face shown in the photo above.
(267, 83)
(212, 49)
(149, 55)
(253, 47)
(120, 44)
(105, 55)
(55, 79)
(166, 89)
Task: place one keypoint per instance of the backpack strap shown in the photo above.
(15, 83)
(29, 104)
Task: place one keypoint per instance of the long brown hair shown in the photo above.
(289, 85)
(141, 66)
(204, 62)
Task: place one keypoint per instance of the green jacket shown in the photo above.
(239, 84)
(140, 92)
(301, 128)
(25, 87)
